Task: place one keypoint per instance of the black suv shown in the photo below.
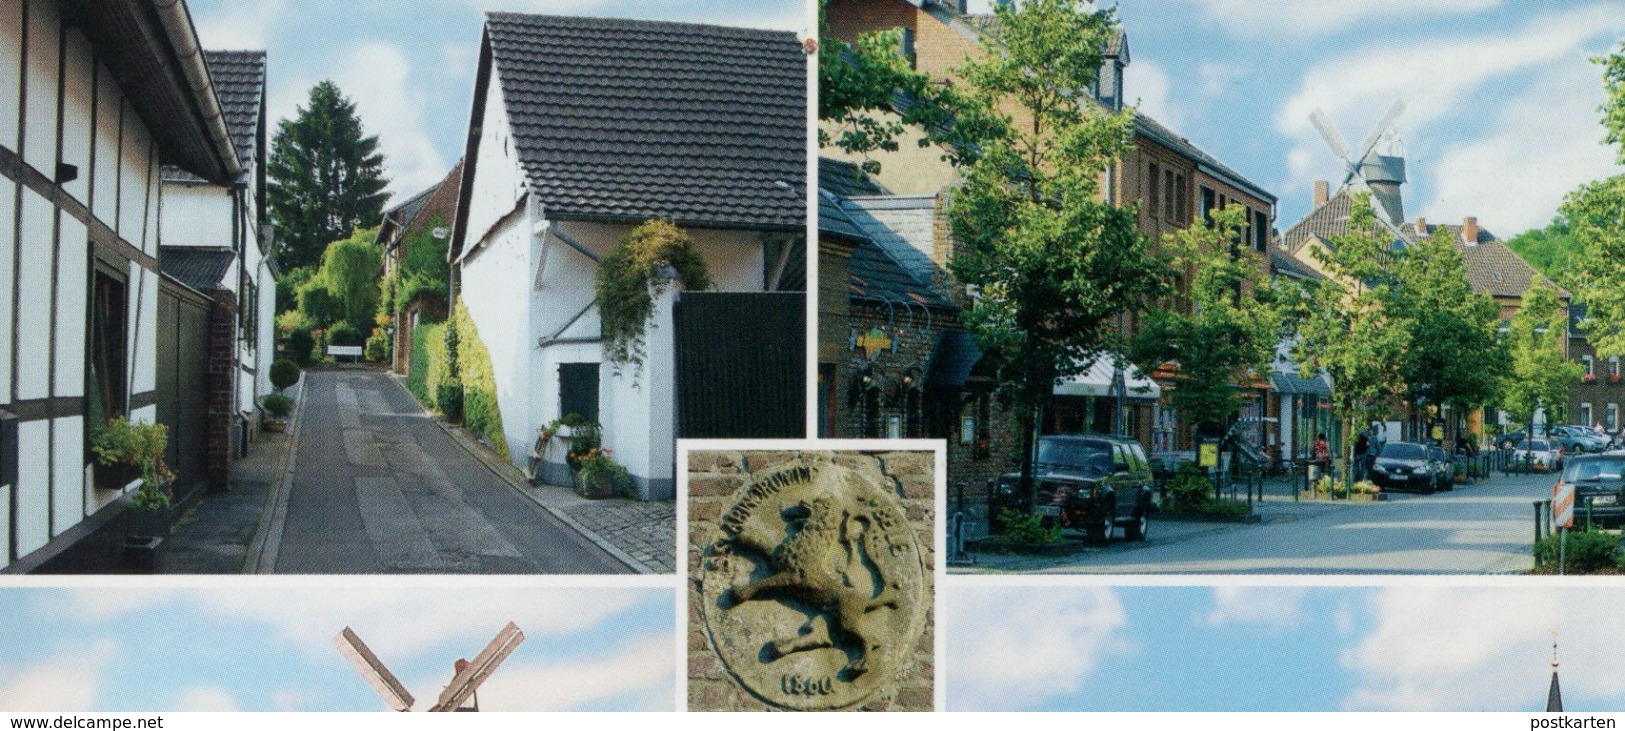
(1085, 482)
(1599, 488)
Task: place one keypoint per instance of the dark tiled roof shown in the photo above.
(845, 179)
(874, 273)
(239, 84)
(627, 120)
(441, 200)
(834, 222)
(196, 267)
(1325, 222)
(1284, 263)
(1492, 267)
(1206, 163)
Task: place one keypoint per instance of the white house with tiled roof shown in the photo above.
(584, 128)
(107, 90)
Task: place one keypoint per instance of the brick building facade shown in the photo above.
(1600, 394)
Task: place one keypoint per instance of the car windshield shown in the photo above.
(1594, 470)
(1402, 451)
(1089, 457)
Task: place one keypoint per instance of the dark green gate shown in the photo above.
(741, 365)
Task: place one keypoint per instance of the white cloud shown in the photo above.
(1147, 85)
(1319, 17)
(1274, 606)
(395, 622)
(1217, 77)
(377, 77)
(204, 698)
(1439, 82)
(1484, 649)
(1010, 648)
(68, 681)
(1544, 145)
(644, 669)
(238, 24)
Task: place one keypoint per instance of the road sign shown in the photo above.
(1563, 505)
(372, 670)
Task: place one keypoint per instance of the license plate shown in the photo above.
(1605, 500)
(1051, 511)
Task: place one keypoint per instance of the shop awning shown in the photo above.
(1293, 384)
(1097, 381)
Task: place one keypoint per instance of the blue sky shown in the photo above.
(270, 649)
(1501, 119)
(1276, 648)
(409, 66)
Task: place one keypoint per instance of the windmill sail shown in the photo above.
(372, 670)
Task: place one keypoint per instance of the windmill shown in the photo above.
(466, 681)
(1382, 174)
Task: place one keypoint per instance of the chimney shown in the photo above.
(1322, 193)
(1469, 230)
(1421, 226)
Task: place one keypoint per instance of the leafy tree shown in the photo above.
(1454, 356)
(325, 177)
(287, 287)
(1229, 332)
(350, 273)
(1353, 331)
(1541, 375)
(423, 269)
(1054, 263)
(1550, 250)
(1596, 214)
(871, 97)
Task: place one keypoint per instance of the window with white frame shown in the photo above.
(1590, 364)
(1585, 414)
(1612, 421)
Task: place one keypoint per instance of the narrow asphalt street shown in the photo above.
(376, 486)
(1480, 529)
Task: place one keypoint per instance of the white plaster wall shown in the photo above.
(67, 473)
(496, 280)
(77, 123)
(33, 485)
(197, 215)
(11, 65)
(72, 308)
(639, 403)
(133, 159)
(8, 230)
(267, 349)
(39, 119)
(109, 111)
(569, 278)
(500, 181)
(34, 311)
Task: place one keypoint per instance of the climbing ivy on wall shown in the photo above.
(626, 276)
(473, 363)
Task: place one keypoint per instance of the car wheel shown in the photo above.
(1137, 530)
(1100, 533)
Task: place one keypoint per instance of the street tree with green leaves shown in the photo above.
(1541, 374)
(1455, 357)
(325, 177)
(1551, 250)
(1352, 330)
(1054, 263)
(1227, 335)
(1596, 215)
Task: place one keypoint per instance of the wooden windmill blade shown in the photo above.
(469, 677)
(372, 670)
(1385, 124)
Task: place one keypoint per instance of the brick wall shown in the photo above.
(221, 402)
(716, 478)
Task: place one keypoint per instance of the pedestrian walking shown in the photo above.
(1362, 446)
(1322, 458)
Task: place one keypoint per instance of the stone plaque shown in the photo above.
(813, 587)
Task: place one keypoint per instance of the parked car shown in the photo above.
(1085, 482)
(1531, 452)
(1576, 440)
(1505, 441)
(1443, 468)
(1599, 488)
(1408, 466)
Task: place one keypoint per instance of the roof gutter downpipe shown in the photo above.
(178, 27)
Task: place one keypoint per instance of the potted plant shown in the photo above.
(1589, 378)
(277, 406)
(141, 446)
(597, 474)
(1614, 377)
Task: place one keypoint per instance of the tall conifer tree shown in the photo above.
(325, 177)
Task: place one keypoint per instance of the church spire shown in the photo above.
(1554, 695)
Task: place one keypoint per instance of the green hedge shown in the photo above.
(417, 381)
(480, 411)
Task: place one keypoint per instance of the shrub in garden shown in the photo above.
(300, 345)
(344, 334)
(277, 405)
(377, 348)
(284, 373)
(449, 399)
(1584, 551)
